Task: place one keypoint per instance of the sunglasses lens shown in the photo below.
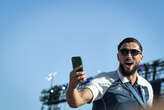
(133, 52)
(124, 51)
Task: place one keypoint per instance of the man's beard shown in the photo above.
(128, 73)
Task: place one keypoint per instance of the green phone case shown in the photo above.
(76, 61)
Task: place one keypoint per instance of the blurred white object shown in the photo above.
(50, 77)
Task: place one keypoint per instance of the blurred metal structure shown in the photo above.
(56, 94)
(152, 71)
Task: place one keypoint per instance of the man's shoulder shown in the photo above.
(142, 81)
(107, 75)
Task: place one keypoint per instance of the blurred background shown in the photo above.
(38, 37)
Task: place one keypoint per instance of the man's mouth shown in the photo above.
(128, 64)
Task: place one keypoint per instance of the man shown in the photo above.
(122, 89)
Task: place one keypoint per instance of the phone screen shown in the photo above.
(76, 61)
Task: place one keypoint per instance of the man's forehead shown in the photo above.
(130, 45)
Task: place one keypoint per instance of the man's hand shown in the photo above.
(76, 78)
(76, 98)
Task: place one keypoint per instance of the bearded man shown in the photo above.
(122, 89)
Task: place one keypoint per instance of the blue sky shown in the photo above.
(40, 36)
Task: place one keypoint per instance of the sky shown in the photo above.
(38, 37)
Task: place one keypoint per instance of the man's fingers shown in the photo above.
(76, 78)
(81, 77)
(77, 74)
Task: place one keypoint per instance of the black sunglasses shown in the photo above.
(133, 52)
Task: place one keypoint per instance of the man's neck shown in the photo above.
(132, 78)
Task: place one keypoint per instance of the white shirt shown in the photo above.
(103, 81)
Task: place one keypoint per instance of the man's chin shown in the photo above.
(128, 71)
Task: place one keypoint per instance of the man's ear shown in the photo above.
(141, 57)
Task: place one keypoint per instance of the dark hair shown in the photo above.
(129, 39)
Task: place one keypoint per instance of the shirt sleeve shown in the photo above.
(99, 85)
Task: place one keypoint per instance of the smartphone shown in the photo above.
(76, 61)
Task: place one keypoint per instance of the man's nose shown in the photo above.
(129, 54)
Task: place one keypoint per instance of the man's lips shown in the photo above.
(129, 62)
(128, 65)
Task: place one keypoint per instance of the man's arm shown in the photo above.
(77, 98)
(74, 97)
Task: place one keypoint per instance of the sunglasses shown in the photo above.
(133, 52)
